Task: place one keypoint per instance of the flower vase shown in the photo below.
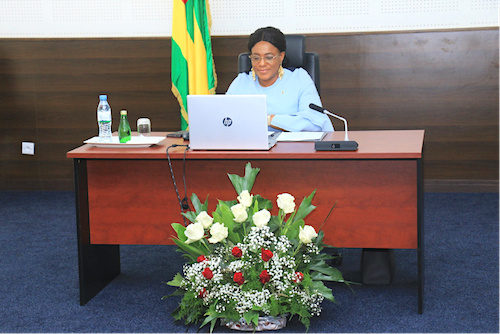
(265, 323)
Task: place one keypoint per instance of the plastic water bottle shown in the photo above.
(124, 132)
(104, 119)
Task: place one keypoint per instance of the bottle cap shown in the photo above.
(103, 97)
(123, 112)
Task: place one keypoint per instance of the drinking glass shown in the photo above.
(144, 126)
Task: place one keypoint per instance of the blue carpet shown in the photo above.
(39, 276)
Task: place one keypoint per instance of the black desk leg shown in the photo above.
(97, 264)
(420, 232)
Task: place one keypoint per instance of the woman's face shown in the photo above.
(266, 60)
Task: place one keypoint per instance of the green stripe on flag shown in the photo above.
(191, 18)
(180, 81)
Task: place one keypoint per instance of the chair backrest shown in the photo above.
(296, 55)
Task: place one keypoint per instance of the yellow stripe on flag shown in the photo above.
(197, 64)
(193, 70)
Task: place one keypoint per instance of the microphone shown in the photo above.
(346, 145)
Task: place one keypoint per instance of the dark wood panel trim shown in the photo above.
(431, 186)
(461, 186)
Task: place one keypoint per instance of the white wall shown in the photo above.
(150, 18)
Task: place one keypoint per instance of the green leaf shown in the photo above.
(212, 318)
(246, 182)
(333, 274)
(263, 203)
(319, 239)
(324, 257)
(177, 292)
(198, 206)
(192, 251)
(212, 325)
(176, 281)
(323, 290)
(328, 215)
(179, 229)
(190, 215)
(293, 231)
(305, 207)
(224, 215)
(252, 317)
(228, 203)
(274, 223)
(317, 276)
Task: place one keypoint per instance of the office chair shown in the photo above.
(296, 55)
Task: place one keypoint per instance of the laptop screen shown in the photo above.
(227, 122)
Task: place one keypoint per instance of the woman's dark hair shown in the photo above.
(268, 34)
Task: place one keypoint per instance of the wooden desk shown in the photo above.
(126, 195)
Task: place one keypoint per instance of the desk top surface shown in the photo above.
(386, 144)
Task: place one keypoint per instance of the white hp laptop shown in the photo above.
(229, 122)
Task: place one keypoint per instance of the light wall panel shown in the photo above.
(153, 18)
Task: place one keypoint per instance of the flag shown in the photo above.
(193, 70)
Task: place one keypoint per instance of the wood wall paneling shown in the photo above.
(444, 82)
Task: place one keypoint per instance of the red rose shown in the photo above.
(203, 293)
(298, 277)
(236, 252)
(201, 258)
(238, 278)
(266, 255)
(264, 277)
(207, 273)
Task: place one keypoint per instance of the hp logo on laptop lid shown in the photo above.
(227, 121)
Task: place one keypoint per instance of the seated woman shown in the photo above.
(289, 93)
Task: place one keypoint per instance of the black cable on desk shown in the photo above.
(183, 203)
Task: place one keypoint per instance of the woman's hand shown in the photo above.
(269, 119)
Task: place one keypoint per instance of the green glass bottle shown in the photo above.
(124, 128)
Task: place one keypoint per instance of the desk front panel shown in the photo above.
(134, 201)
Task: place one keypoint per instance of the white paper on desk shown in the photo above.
(301, 136)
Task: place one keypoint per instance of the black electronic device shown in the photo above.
(337, 145)
(177, 134)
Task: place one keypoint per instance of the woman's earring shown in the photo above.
(281, 72)
(253, 74)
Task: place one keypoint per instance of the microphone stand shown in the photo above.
(346, 137)
(345, 145)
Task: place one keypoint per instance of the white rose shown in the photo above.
(218, 233)
(204, 219)
(194, 232)
(261, 218)
(286, 202)
(245, 198)
(239, 212)
(307, 233)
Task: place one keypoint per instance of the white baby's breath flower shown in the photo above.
(286, 202)
(245, 198)
(239, 212)
(194, 232)
(307, 233)
(218, 233)
(261, 218)
(204, 219)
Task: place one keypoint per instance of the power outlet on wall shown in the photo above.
(28, 148)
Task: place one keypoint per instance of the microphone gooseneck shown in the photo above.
(326, 112)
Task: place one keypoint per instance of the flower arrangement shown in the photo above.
(245, 263)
